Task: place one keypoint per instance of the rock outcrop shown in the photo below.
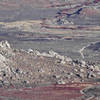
(32, 68)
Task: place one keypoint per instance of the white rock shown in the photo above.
(81, 70)
(2, 58)
(30, 50)
(46, 54)
(83, 62)
(37, 52)
(4, 44)
(68, 59)
(97, 68)
(51, 52)
(61, 82)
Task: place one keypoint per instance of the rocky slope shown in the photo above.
(32, 68)
(68, 27)
(22, 70)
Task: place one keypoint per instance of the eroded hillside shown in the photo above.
(50, 47)
(20, 69)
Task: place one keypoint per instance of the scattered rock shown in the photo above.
(33, 67)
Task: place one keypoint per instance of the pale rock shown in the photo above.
(92, 67)
(61, 82)
(30, 50)
(46, 54)
(51, 52)
(81, 70)
(68, 59)
(75, 70)
(36, 52)
(2, 58)
(54, 54)
(83, 63)
(4, 44)
(97, 68)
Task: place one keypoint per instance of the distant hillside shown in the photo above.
(12, 10)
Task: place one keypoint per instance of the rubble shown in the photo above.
(35, 68)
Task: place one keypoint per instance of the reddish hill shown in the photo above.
(53, 92)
